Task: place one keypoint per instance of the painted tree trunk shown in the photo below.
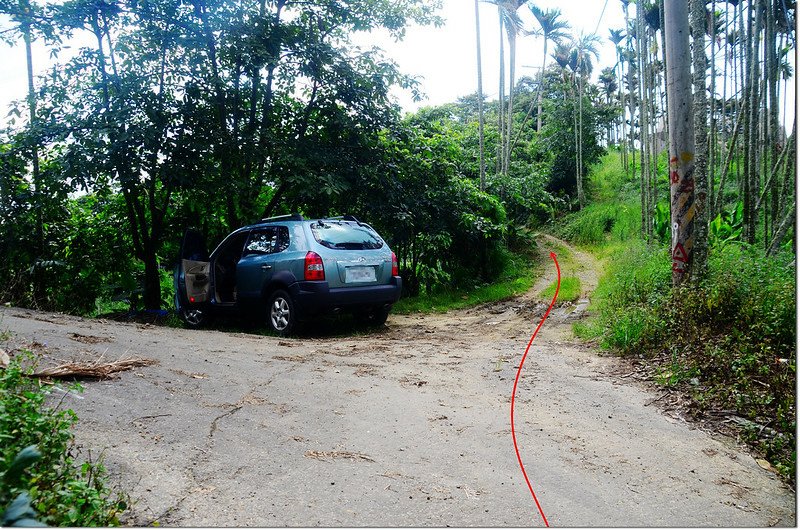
(681, 138)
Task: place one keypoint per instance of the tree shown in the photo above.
(202, 97)
(585, 46)
(700, 110)
(608, 87)
(480, 95)
(30, 21)
(552, 30)
(124, 122)
(681, 139)
(511, 25)
(616, 37)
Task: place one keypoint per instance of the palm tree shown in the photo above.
(617, 36)
(681, 137)
(552, 29)
(513, 26)
(562, 56)
(480, 97)
(609, 86)
(586, 46)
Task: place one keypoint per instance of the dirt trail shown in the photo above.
(408, 426)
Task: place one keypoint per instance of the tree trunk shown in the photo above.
(681, 138)
(581, 199)
(644, 144)
(152, 281)
(786, 223)
(38, 191)
(480, 97)
(700, 105)
(501, 130)
(541, 84)
(512, 51)
(712, 152)
(751, 159)
(774, 139)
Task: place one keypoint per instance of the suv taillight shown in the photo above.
(395, 268)
(314, 269)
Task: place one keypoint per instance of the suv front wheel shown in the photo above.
(281, 314)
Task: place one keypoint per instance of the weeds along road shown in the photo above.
(406, 426)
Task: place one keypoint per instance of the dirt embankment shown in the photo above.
(406, 426)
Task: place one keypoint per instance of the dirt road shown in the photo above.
(407, 426)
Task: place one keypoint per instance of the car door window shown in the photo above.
(269, 240)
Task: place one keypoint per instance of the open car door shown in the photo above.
(192, 278)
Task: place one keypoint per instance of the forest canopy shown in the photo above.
(213, 114)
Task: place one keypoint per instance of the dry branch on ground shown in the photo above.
(92, 370)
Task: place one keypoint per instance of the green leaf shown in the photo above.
(24, 458)
(20, 511)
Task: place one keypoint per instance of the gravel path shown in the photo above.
(408, 426)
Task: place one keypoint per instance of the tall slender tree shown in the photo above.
(480, 96)
(681, 139)
(552, 29)
(617, 36)
(586, 47)
(700, 109)
(29, 20)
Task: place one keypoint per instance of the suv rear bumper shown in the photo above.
(317, 297)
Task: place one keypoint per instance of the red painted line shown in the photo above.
(514, 391)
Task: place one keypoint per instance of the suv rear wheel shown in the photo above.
(281, 314)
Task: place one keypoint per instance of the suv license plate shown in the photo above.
(359, 274)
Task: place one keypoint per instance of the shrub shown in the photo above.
(61, 491)
(730, 340)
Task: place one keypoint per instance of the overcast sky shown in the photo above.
(443, 58)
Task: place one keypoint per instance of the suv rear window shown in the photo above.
(345, 235)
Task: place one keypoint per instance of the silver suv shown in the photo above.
(288, 269)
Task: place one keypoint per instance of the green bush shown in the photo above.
(62, 492)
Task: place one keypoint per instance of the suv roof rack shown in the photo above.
(287, 217)
(343, 218)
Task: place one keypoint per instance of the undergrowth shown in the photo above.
(63, 490)
(727, 343)
(519, 273)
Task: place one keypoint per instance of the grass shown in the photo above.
(517, 278)
(569, 291)
(601, 223)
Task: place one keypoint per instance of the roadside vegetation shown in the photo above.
(520, 271)
(727, 344)
(39, 461)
